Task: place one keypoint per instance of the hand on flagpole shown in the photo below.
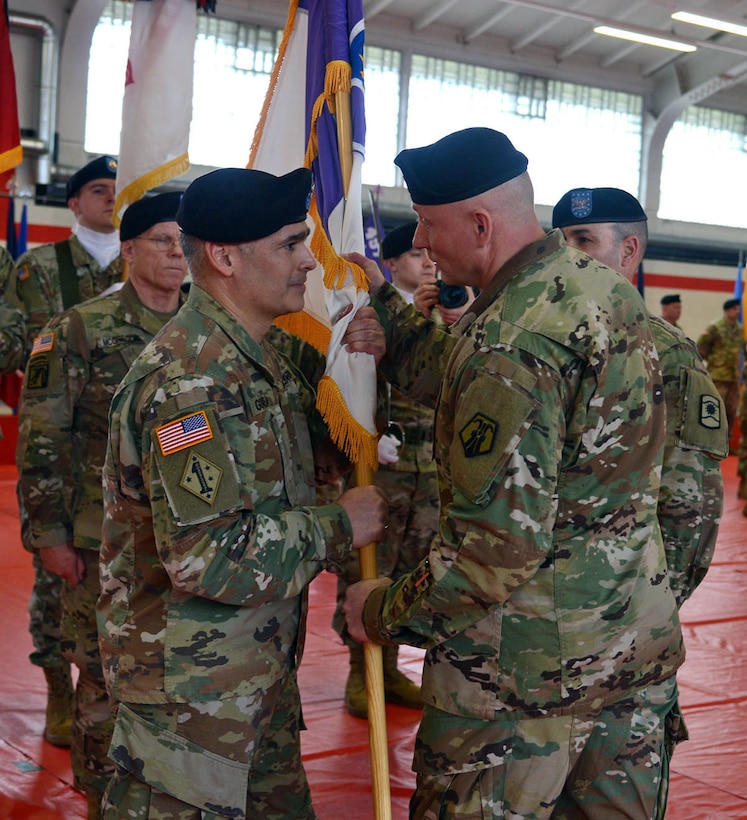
(368, 510)
(355, 601)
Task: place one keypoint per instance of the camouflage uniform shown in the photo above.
(551, 631)
(11, 322)
(35, 290)
(691, 494)
(742, 454)
(210, 540)
(62, 444)
(721, 345)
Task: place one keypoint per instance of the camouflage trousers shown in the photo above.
(93, 714)
(413, 523)
(45, 613)
(190, 761)
(613, 763)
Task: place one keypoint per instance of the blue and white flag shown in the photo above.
(314, 117)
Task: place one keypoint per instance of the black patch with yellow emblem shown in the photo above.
(478, 435)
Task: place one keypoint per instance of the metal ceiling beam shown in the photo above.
(436, 11)
(488, 22)
(543, 28)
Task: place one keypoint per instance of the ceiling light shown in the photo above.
(646, 39)
(710, 22)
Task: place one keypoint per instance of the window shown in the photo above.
(704, 190)
(573, 135)
(233, 63)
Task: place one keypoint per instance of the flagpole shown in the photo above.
(372, 655)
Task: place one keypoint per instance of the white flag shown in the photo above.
(157, 106)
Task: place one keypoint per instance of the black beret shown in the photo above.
(243, 204)
(100, 168)
(581, 206)
(398, 240)
(146, 212)
(670, 299)
(460, 166)
(731, 303)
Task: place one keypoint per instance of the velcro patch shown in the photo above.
(43, 343)
(710, 412)
(478, 435)
(184, 432)
(37, 373)
(23, 273)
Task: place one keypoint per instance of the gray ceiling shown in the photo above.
(555, 38)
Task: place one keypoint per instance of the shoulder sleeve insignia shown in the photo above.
(710, 412)
(183, 432)
(201, 477)
(23, 273)
(43, 343)
(478, 435)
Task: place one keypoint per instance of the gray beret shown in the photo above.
(460, 166)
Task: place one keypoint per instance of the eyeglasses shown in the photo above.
(162, 243)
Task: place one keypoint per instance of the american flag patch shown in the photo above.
(183, 432)
(43, 343)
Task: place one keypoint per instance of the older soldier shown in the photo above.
(45, 281)
(610, 225)
(211, 534)
(551, 631)
(75, 366)
(720, 345)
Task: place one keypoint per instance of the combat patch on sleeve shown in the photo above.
(703, 425)
(199, 476)
(492, 416)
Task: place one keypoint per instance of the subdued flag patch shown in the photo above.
(184, 432)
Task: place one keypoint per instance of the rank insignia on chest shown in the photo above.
(478, 435)
(710, 412)
(184, 432)
(201, 477)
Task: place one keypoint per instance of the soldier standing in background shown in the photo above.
(671, 309)
(75, 366)
(551, 631)
(611, 226)
(45, 281)
(720, 345)
(212, 532)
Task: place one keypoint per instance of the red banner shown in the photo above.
(10, 134)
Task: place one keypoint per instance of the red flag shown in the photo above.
(10, 133)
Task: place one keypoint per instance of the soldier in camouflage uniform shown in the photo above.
(407, 474)
(551, 631)
(610, 225)
(11, 322)
(45, 281)
(720, 345)
(75, 366)
(211, 532)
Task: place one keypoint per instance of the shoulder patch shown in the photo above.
(478, 435)
(37, 373)
(702, 425)
(23, 273)
(201, 477)
(184, 432)
(43, 343)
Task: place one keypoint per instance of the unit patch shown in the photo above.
(37, 373)
(201, 478)
(478, 435)
(710, 412)
(581, 203)
(184, 432)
